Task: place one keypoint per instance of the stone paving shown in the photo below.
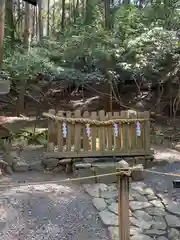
(152, 215)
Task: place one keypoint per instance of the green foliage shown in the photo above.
(142, 42)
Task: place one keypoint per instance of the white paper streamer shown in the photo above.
(64, 130)
(88, 131)
(138, 129)
(116, 129)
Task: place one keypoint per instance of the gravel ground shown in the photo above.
(47, 211)
(50, 211)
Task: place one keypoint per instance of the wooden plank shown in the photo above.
(85, 137)
(72, 154)
(124, 115)
(101, 132)
(60, 132)
(51, 131)
(109, 133)
(93, 132)
(70, 128)
(77, 135)
(117, 140)
(147, 131)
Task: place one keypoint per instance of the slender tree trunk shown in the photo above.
(63, 15)
(27, 32)
(2, 10)
(40, 21)
(48, 16)
(10, 20)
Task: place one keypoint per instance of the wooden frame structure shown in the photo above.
(95, 134)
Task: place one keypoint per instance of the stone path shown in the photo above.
(152, 216)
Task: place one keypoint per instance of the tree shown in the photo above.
(2, 11)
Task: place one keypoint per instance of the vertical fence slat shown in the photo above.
(85, 137)
(69, 133)
(102, 138)
(124, 115)
(147, 131)
(60, 133)
(116, 139)
(51, 132)
(77, 135)
(93, 132)
(109, 133)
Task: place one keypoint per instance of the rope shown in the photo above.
(91, 121)
(121, 172)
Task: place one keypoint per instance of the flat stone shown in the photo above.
(173, 234)
(138, 187)
(172, 221)
(95, 189)
(135, 205)
(159, 223)
(20, 166)
(82, 165)
(109, 194)
(155, 232)
(154, 211)
(173, 208)
(114, 233)
(142, 215)
(99, 203)
(36, 166)
(138, 197)
(148, 191)
(157, 203)
(113, 208)
(108, 218)
(50, 162)
(162, 238)
(151, 197)
(140, 223)
(141, 237)
(86, 172)
(65, 161)
(138, 173)
(134, 230)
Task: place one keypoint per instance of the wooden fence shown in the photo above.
(95, 134)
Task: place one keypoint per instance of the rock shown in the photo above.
(162, 238)
(140, 223)
(109, 195)
(109, 218)
(95, 189)
(154, 232)
(157, 203)
(173, 234)
(87, 172)
(154, 211)
(139, 187)
(10, 159)
(50, 162)
(104, 168)
(114, 233)
(173, 208)
(141, 237)
(139, 160)
(172, 221)
(9, 170)
(159, 223)
(90, 160)
(138, 197)
(99, 203)
(82, 165)
(142, 215)
(59, 169)
(113, 208)
(138, 173)
(149, 191)
(36, 166)
(65, 161)
(123, 164)
(135, 205)
(151, 197)
(135, 230)
(20, 166)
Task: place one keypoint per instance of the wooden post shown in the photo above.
(123, 201)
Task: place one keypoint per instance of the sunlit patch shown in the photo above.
(43, 188)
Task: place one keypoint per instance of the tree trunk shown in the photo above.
(2, 10)
(63, 15)
(27, 33)
(40, 21)
(10, 20)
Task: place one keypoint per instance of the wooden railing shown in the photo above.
(71, 135)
